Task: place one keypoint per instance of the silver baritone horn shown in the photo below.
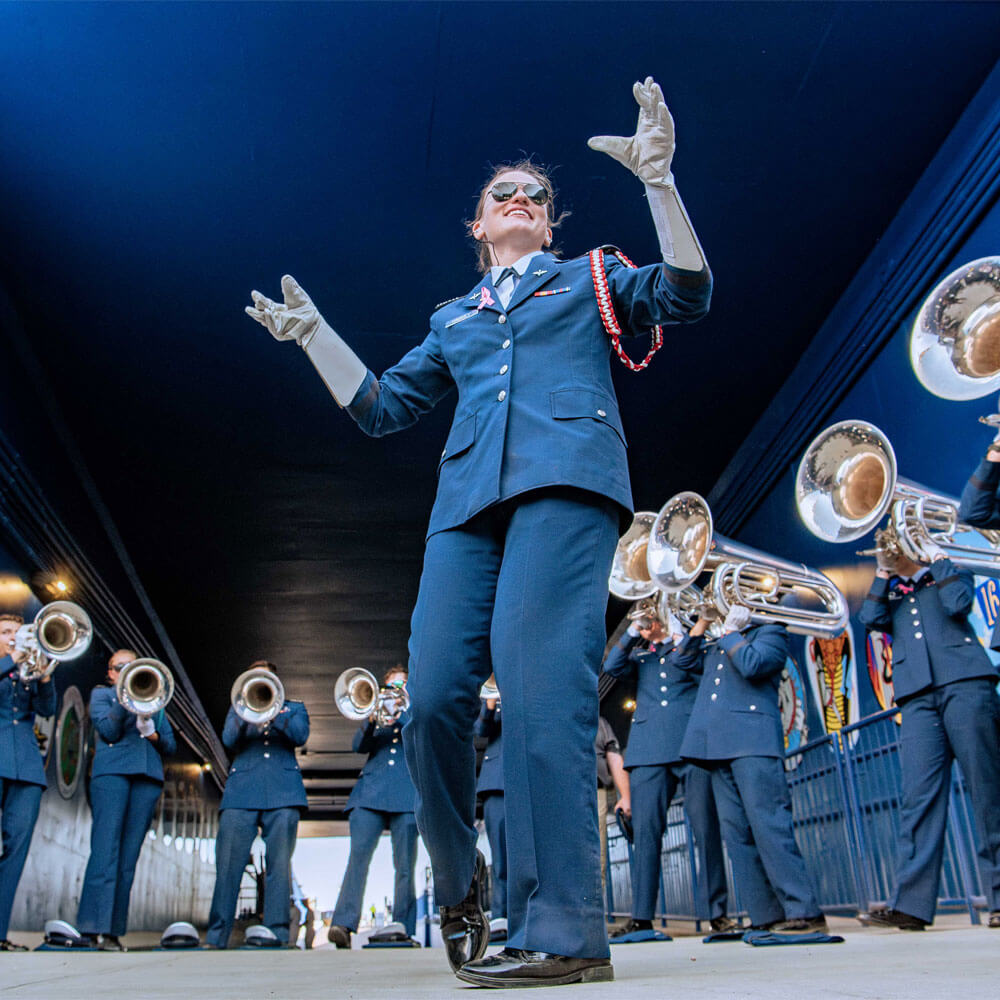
(955, 341)
(61, 631)
(358, 696)
(257, 696)
(683, 545)
(144, 686)
(847, 481)
(630, 579)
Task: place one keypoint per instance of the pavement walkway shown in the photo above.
(951, 959)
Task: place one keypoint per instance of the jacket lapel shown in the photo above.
(533, 280)
(483, 289)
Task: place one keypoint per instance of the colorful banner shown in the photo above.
(833, 676)
(792, 702)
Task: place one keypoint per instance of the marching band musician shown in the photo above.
(22, 774)
(264, 791)
(735, 731)
(664, 700)
(383, 798)
(489, 786)
(945, 686)
(980, 506)
(125, 785)
(532, 483)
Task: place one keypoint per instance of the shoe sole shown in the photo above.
(595, 974)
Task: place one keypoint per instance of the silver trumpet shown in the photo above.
(848, 481)
(144, 686)
(60, 631)
(955, 340)
(257, 695)
(683, 545)
(358, 697)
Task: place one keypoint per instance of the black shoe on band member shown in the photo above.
(340, 936)
(886, 916)
(6, 945)
(465, 930)
(724, 925)
(801, 925)
(631, 928)
(514, 967)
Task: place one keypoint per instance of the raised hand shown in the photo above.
(649, 152)
(297, 318)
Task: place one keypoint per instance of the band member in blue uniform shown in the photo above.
(735, 731)
(980, 505)
(264, 791)
(945, 686)
(489, 787)
(383, 798)
(664, 700)
(22, 774)
(532, 483)
(125, 784)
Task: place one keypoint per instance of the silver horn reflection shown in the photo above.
(683, 545)
(144, 686)
(358, 696)
(257, 695)
(60, 631)
(955, 341)
(630, 578)
(848, 481)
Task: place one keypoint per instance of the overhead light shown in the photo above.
(61, 586)
(629, 705)
(206, 767)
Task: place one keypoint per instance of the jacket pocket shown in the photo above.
(460, 439)
(579, 404)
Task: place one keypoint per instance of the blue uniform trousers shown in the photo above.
(653, 787)
(959, 720)
(520, 588)
(19, 802)
(237, 830)
(755, 810)
(494, 816)
(366, 827)
(122, 806)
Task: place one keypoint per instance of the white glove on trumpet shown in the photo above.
(737, 619)
(145, 725)
(298, 319)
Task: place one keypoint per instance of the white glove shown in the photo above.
(632, 630)
(737, 619)
(298, 319)
(931, 550)
(649, 154)
(145, 725)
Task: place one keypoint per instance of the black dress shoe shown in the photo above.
(109, 942)
(630, 928)
(465, 930)
(6, 945)
(994, 920)
(724, 925)
(340, 936)
(886, 916)
(513, 967)
(801, 925)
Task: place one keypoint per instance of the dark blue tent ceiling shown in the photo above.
(159, 160)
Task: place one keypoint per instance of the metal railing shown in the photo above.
(845, 790)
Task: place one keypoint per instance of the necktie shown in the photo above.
(507, 272)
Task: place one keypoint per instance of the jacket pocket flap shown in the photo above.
(572, 404)
(460, 439)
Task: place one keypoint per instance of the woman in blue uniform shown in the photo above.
(533, 482)
(22, 775)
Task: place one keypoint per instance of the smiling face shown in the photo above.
(516, 226)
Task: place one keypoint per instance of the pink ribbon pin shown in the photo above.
(485, 299)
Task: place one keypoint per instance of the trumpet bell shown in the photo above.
(356, 693)
(629, 578)
(257, 696)
(955, 341)
(63, 630)
(846, 480)
(144, 686)
(679, 542)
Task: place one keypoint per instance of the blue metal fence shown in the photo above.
(845, 798)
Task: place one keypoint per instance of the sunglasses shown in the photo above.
(505, 190)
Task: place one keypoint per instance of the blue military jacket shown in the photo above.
(736, 710)
(536, 405)
(489, 726)
(932, 640)
(385, 784)
(264, 773)
(20, 758)
(979, 507)
(663, 702)
(119, 747)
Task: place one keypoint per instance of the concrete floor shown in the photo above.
(951, 959)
